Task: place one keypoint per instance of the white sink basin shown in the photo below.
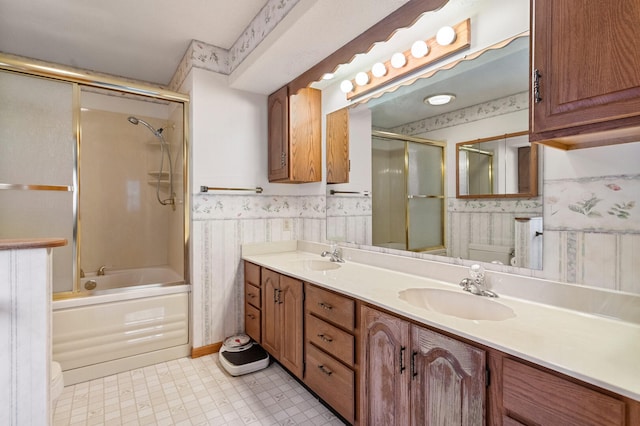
(317, 265)
(457, 304)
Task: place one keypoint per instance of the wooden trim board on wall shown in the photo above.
(206, 350)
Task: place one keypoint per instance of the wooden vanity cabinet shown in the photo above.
(330, 349)
(532, 396)
(252, 301)
(413, 375)
(295, 136)
(585, 87)
(282, 320)
(338, 146)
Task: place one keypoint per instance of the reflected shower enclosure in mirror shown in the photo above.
(503, 166)
(491, 88)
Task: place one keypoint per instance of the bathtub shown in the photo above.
(133, 318)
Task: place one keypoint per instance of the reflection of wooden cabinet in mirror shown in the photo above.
(504, 166)
(586, 84)
(338, 146)
(295, 133)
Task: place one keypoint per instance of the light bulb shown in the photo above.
(362, 78)
(398, 60)
(378, 70)
(419, 49)
(346, 86)
(327, 76)
(445, 36)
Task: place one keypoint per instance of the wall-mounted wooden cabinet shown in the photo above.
(585, 87)
(295, 136)
(338, 146)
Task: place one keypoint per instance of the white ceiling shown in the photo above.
(146, 39)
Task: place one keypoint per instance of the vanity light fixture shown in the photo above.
(362, 78)
(448, 41)
(398, 60)
(379, 69)
(346, 86)
(440, 99)
(445, 36)
(419, 49)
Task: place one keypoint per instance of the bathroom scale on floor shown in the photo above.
(240, 355)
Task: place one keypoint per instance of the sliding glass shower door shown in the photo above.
(37, 157)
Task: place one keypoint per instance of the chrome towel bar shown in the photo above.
(257, 190)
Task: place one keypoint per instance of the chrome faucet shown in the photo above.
(335, 253)
(101, 270)
(476, 284)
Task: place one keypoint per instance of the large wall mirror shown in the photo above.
(490, 91)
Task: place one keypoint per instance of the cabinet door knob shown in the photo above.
(325, 338)
(325, 306)
(325, 370)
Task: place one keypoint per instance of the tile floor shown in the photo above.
(191, 392)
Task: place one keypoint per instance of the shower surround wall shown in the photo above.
(122, 223)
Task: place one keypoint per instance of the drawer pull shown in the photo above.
(325, 338)
(251, 295)
(325, 370)
(251, 316)
(325, 306)
(402, 367)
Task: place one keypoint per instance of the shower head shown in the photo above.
(134, 120)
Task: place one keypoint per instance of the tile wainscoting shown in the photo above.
(221, 224)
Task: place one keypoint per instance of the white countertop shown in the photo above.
(598, 350)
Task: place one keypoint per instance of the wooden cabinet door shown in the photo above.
(586, 56)
(305, 136)
(385, 376)
(290, 305)
(338, 146)
(278, 113)
(271, 333)
(448, 386)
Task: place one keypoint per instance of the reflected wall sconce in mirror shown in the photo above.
(447, 41)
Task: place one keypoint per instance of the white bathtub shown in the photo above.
(119, 327)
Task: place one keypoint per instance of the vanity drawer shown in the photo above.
(332, 381)
(334, 308)
(252, 322)
(331, 339)
(252, 295)
(252, 274)
(535, 396)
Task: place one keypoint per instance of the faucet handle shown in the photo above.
(476, 272)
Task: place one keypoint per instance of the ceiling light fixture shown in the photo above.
(328, 76)
(440, 99)
(419, 49)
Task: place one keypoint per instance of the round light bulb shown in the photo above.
(445, 36)
(378, 70)
(346, 86)
(362, 78)
(419, 49)
(398, 60)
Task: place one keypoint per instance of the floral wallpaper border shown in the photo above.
(215, 207)
(506, 105)
(529, 206)
(348, 206)
(593, 204)
(206, 56)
